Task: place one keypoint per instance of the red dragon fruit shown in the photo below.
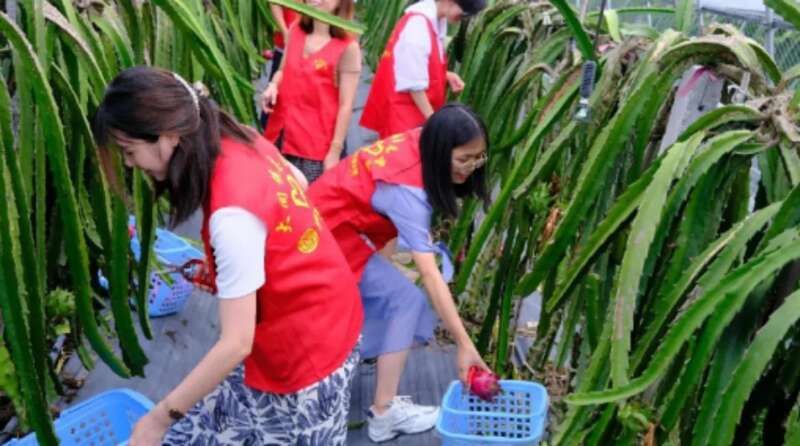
(483, 384)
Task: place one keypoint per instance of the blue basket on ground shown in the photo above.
(103, 420)
(170, 250)
(517, 416)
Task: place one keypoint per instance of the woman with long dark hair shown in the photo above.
(391, 189)
(289, 312)
(311, 96)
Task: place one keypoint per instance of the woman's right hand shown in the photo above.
(466, 358)
(269, 97)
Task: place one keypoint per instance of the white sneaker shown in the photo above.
(402, 417)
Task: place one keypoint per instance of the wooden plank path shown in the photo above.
(179, 341)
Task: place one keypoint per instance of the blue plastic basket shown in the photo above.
(516, 417)
(170, 250)
(103, 420)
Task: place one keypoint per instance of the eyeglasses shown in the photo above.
(472, 165)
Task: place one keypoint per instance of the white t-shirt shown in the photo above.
(238, 239)
(413, 48)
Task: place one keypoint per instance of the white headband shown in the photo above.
(189, 88)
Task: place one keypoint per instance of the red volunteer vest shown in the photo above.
(308, 98)
(344, 194)
(289, 17)
(389, 112)
(309, 312)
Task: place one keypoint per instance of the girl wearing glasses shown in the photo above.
(411, 79)
(391, 189)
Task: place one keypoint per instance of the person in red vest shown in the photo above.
(285, 18)
(312, 93)
(391, 189)
(289, 312)
(411, 79)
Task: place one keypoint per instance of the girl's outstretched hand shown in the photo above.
(151, 428)
(467, 357)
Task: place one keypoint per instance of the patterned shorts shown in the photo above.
(311, 169)
(236, 414)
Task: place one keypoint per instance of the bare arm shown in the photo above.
(348, 73)
(277, 14)
(238, 321)
(422, 103)
(270, 94)
(445, 307)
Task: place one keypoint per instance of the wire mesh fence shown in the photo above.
(778, 37)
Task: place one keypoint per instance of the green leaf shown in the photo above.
(122, 46)
(729, 247)
(754, 362)
(9, 384)
(32, 264)
(715, 49)
(582, 40)
(767, 62)
(74, 240)
(793, 425)
(788, 9)
(636, 10)
(132, 16)
(642, 233)
(605, 149)
(235, 89)
(721, 116)
(316, 14)
(132, 352)
(13, 312)
(684, 16)
(791, 75)
(722, 301)
(624, 207)
(787, 217)
(595, 376)
(144, 199)
(499, 205)
(612, 23)
(81, 47)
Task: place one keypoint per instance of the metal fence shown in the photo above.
(778, 37)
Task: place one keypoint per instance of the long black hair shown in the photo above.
(145, 103)
(452, 126)
(471, 7)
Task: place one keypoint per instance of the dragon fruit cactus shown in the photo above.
(483, 384)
